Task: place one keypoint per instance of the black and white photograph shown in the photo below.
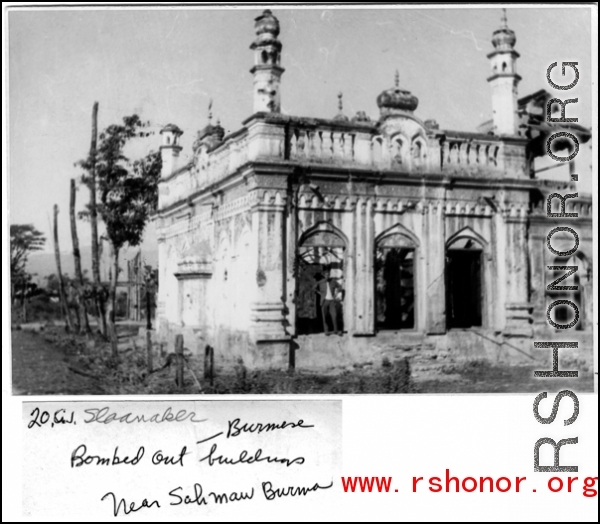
(298, 200)
(300, 262)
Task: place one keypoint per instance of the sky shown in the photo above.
(167, 64)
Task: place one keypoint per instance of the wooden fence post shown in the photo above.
(180, 360)
(209, 363)
(149, 350)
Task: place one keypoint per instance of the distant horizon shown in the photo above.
(41, 264)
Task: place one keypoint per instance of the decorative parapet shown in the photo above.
(404, 146)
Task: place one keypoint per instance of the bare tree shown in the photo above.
(61, 287)
(90, 181)
(80, 285)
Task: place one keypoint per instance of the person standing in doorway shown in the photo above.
(329, 290)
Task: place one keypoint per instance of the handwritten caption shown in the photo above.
(263, 447)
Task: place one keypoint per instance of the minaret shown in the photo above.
(170, 148)
(504, 80)
(267, 71)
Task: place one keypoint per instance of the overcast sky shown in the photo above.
(166, 64)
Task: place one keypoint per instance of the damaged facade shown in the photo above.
(435, 236)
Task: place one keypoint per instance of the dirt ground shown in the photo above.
(481, 378)
(52, 363)
(41, 368)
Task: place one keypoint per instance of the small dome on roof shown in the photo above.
(360, 116)
(397, 99)
(171, 128)
(213, 131)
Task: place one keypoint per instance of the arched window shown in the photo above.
(320, 255)
(395, 282)
(418, 151)
(398, 151)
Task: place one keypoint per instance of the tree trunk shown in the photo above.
(79, 296)
(61, 283)
(98, 296)
(23, 289)
(23, 301)
(112, 299)
(138, 284)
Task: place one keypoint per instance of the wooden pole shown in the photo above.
(93, 202)
(148, 322)
(180, 361)
(84, 323)
(209, 363)
(138, 284)
(111, 310)
(94, 225)
(129, 302)
(61, 283)
(149, 355)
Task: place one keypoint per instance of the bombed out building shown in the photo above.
(436, 237)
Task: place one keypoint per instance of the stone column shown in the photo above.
(349, 220)
(434, 245)
(292, 234)
(499, 290)
(364, 318)
(268, 323)
(537, 251)
(518, 308)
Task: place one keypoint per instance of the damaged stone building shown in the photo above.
(436, 238)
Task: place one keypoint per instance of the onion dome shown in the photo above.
(396, 99)
(266, 23)
(341, 117)
(266, 27)
(211, 135)
(216, 132)
(504, 39)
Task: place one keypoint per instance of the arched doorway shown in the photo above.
(395, 282)
(464, 282)
(320, 251)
